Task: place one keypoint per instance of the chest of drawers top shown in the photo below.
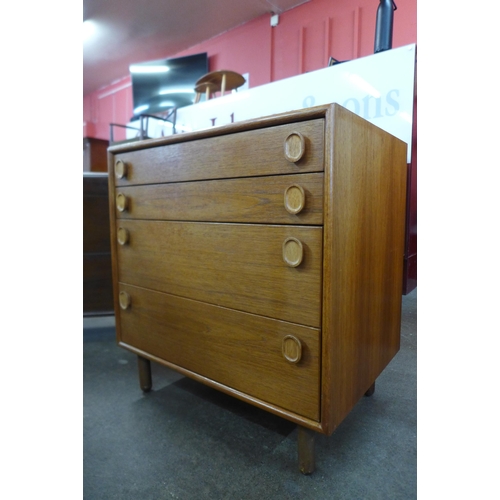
(283, 149)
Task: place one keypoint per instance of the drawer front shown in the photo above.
(280, 199)
(243, 154)
(241, 266)
(239, 350)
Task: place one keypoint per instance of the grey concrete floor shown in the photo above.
(187, 441)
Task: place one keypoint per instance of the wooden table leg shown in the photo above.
(223, 85)
(145, 380)
(371, 390)
(306, 450)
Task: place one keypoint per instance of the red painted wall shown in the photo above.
(304, 39)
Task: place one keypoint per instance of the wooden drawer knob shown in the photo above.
(123, 236)
(121, 202)
(293, 252)
(295, 199)
(291, 349)
(120, 169)
(124, 300)
(295, 147)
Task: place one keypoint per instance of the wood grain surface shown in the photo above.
(97, 281)
(97, 284)
(365, 190)
(242, 154)
(96, 214)
(207, 271)
(255, 199)
(240, 350)
(233, 265)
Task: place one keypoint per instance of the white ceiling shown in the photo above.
(129, 31)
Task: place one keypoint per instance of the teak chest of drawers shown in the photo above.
(264, 259)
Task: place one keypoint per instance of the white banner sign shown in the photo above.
(379, 87)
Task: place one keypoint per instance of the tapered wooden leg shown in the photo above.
(145, 380)
(223, 85)
(306, 450)
(371, 390)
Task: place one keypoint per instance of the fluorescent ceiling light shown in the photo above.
(177, 91)
(89, 28)
(138, 68)
(141, 108)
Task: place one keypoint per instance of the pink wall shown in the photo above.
(303, 41)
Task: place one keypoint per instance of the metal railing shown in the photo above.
(142, 131)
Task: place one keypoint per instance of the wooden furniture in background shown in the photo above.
(218, 81)
(264, 259)
(95, 157)
(97, 282)
(410, 261)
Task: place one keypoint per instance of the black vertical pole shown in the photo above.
(384, 25)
